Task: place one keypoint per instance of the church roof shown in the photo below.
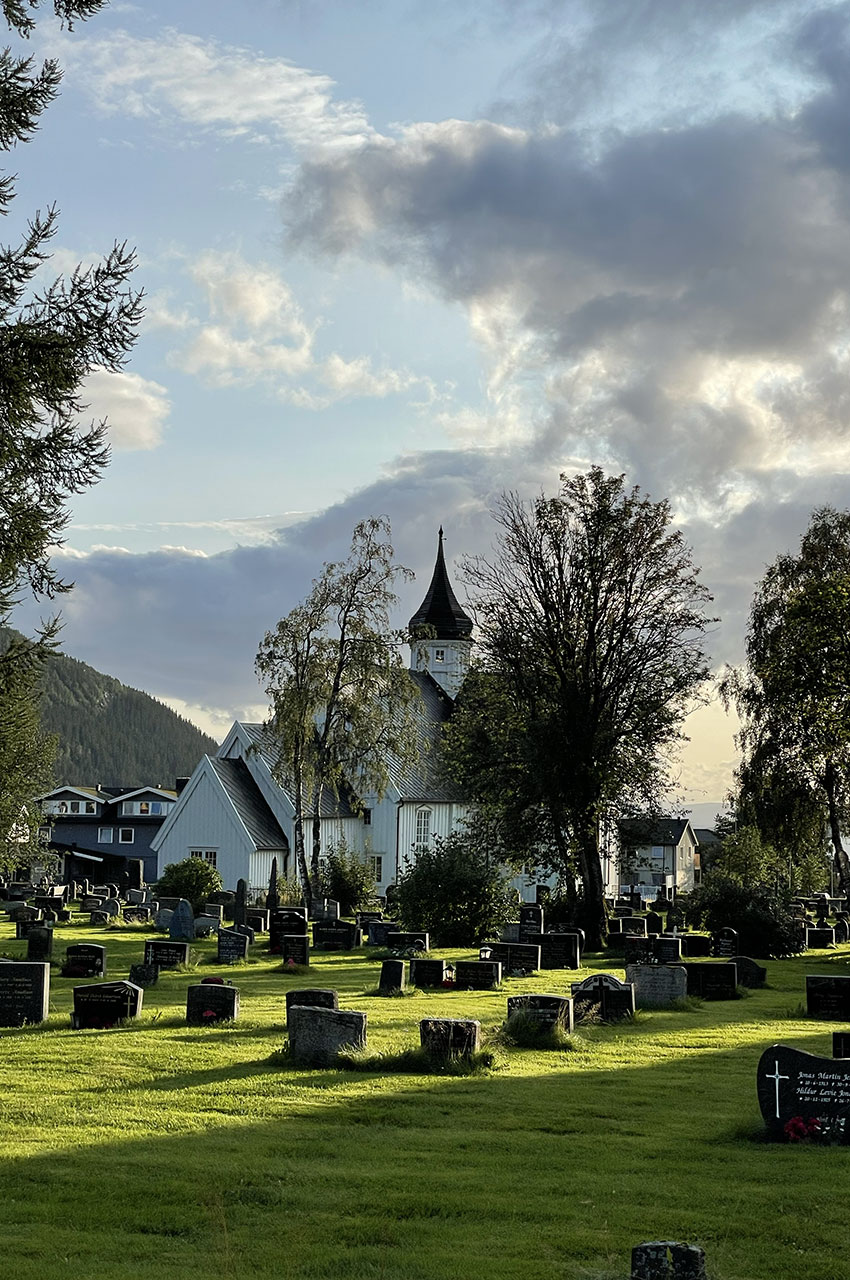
(245, 796)
(440, 608)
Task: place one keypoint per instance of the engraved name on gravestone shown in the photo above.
(713, 981)
(232, 946)
(168, 955)
(478, 975)
(791, 1083)
(725, 943)
(24, 992)
(106, 1003)
(530, 922)
(828, 996)
(84, 960)
(295, 947)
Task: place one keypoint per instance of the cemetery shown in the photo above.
(190, 1108)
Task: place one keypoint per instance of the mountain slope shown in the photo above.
(112, 734)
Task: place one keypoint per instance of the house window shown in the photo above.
(376, 862)
(207, 855)
(423, 828)
(367, 817)
(126, 835)
(439, 655)
(105, 835)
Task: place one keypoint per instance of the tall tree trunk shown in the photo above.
(315, 859)
(298, 829)
(842, 862)
(592, 910)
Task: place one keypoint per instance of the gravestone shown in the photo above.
(443, 1038)
(635, 925)
(666, 949)
(667, 1260)
(696, 944)
(162, 919)
(240, 903)
(841, 932)
(637, 948)
(112, 907)
(675, 918)
(318, 997)
(725, 943)
(478, 975)
(100, 919)
(144, 975)
(518, 958)
(232, 946)
(170, 904)
(427, 973)
(557, 950)
(137, 915)
(258, 919)
(365, 918)
(336, 935)
(828, 996)
(509, 932)
(821, 937)
(295, 947)
(39, 943)
(657, 986)
(615, 925)
(181, 927)
(84, 960)
(793, 1085)
(90, 902)
(392, 976)
(713, 981)
(245, 930)
(548, 1010)
(378, 930)
(24, 993)
(841, 1044)
(615, 999)
(530, 922)
(317, 1035)
(167, 955)
(284, 922)
(214, 909)
(750, 974)
(654, 922)
(410, 940)
(207, 1004)
(204, 926)
(105, 1004)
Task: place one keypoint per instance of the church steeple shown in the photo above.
(444, 649)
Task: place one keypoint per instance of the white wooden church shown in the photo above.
(233, 814)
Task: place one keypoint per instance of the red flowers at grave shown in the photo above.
(208, 1013)
(799, 1130)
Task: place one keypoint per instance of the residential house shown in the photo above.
(659, 853)
(97, 830)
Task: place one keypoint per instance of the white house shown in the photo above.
(658, 853)
(233, 814)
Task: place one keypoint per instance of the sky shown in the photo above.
(401, 257)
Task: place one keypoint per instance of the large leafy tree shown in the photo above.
(342, 702)
(51, 338)
(793, 694)
(591, 621)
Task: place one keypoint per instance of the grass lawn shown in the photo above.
(162, 1152)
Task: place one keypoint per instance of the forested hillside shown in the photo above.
(112, 734)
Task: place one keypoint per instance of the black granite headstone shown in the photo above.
(713, 981)
(144, 975)
(167, 955)
(530, 922)
(24, 993)
(105, 1004)
(207, 1004)
(318, 997)
(336, 935)
(828, 996)
(232, 946)
(794, 1086)
(39, 943)
(427, 973)
(557, 950)
(84, 960)
(478, 975)
(408, 940)
(392, 976)
(295, 948)
(548, 1010)
(518, 958)
(666, 949)
(449, 1037)
(725, 943)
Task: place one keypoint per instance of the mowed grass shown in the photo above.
(159, 1151)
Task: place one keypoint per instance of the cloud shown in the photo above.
(235, 92)
(136, 408)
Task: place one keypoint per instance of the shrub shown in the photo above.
(761, 915)
(289, 891)
(192, 879)
(348, 879)
(455, 893)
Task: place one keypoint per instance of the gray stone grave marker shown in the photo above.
(427, 973)
(518, 958)
(657, 986)
(317, 1036)
(39, 943)
(181, 927)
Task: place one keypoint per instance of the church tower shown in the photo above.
(444, 651)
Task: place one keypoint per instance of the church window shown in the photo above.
(423, 828)
(367, 817)
(206, 855)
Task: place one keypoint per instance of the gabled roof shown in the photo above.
(440, 608)
(705, 835)
(658, 831)
(245, 796)
(86, 793)
(166, 793)
(260, 738)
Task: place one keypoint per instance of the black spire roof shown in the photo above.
(440, 608)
